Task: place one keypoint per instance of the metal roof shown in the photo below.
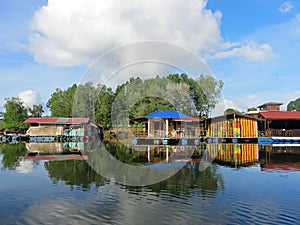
(281, 115)
(166, 114)
(189, 119)
(57, 120)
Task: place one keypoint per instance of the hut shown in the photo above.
(45, 129)
(172, 123)
(232, 126)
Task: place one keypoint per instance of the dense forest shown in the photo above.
(134, 98)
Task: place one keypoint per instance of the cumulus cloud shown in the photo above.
(30, 98)
(251, 51)
(75, 32)
(225, 104)
(285, 7)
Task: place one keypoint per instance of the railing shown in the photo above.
(283, 133)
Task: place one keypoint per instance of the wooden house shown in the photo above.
(171, 123)
(280, 123)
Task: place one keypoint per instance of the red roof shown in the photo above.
(280, 115)
(40, 120)
(189, 119)
(57, 120)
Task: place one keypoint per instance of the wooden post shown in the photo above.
(149, 127)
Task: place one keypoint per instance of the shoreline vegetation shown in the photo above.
(132, 99)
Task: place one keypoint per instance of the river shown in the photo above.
(256, 185)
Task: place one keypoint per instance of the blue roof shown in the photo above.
(166, 114)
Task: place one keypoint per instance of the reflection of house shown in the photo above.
(233, 154)
(281, 123)
(171, 123)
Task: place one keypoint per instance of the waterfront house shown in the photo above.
(172, 123)
(281, 123)
(232, 126)
(47, 129)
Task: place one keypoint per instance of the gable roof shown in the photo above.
(281, 115)
(166, 114)
(269, 103)
(57, 120)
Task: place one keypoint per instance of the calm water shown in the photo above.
(242, 186)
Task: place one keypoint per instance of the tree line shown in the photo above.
(134, 98)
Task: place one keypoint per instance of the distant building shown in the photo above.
(270, 106)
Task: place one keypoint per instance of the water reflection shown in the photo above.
(77, 174)
(280, 157)
(75, 193)
(12, 155)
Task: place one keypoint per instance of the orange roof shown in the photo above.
(281, 115)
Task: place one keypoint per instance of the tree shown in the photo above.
(251, 109)
(205, 92)
(61, 102)
(294, 105)
(15, 114)
(36, 110)
(103, 106)
(232, 111)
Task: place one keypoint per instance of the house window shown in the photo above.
(158, 125)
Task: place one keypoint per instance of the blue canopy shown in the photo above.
(166, 114)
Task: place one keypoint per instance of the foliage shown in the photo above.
(251, 109)
(103, 105)
(137, 98)
(61, 102)
(232, 111)
(15, 114)
(36, 110)
(294, 105)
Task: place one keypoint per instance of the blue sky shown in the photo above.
(253, 46)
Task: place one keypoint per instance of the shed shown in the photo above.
(172, 123)
(55, 126)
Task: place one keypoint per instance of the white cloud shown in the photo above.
(223, 105)
(297, 18)
(251, 51)
(285, 7)
(67, 33)
(30, 98)
(25, 167)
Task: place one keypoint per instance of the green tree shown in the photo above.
(36, 110)
(232, 111)
(208, 90)
(103, 106)
(84, 102)
(251, 109)
(294, 105)
(61, 102)
(15, 114)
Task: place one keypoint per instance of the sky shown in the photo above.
(252, 46)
